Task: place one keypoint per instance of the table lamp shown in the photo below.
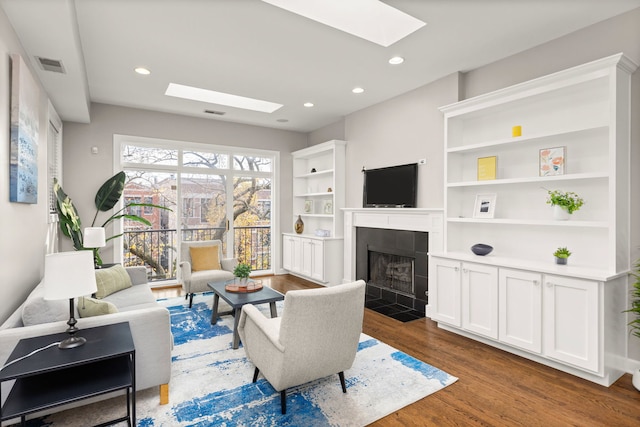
(69, 275)
(94, 238)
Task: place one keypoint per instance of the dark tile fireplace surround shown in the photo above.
(394, 264)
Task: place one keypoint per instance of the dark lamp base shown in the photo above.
(72, 342)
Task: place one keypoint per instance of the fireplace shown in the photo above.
(394, 264)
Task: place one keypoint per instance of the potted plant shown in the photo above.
(635, 323)
(564, 203)
(242, 272)
(562, 254)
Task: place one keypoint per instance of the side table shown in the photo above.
(54, 377)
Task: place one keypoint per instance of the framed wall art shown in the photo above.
(23, 162)
(485, 205)
(552, 161)
(308, 206)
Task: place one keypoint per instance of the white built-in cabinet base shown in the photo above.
(572, 324)
(318, 259)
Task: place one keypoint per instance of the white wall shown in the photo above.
(399, 131)
(24, 226)
(84, 172)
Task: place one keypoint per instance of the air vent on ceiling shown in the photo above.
(54, 65)
(217, 113)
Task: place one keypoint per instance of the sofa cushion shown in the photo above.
(135, 295)
(112, 279)
(204, 258)
(36, 310)
(89, 307)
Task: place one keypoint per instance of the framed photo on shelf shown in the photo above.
(552, 161)
(487, 168)
(308, 206)
(485, 205)
(327, 207)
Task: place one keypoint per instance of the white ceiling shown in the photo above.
(253, 49)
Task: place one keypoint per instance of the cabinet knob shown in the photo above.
(535, 283)
(465, 271)
(456, 269)
(549, 285)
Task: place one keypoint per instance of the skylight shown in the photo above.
(371, 20)
(220, 98)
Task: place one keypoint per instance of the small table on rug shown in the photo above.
(54, 376)
(237, 299)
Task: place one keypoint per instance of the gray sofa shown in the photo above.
(149, 323)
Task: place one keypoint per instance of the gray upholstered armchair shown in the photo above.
(201, 262)
(316, 336)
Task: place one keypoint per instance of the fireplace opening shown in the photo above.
(394, 272)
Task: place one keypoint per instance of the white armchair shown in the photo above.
(193, 277)
(316, 336)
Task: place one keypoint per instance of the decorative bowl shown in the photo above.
(481, 249)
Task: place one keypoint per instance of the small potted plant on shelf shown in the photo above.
(562, 254)
(242, 271)
(564, 203)
(635, 323)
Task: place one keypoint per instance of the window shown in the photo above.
(148, 210)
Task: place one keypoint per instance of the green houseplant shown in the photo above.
(106, 199)
(562, 254)
(635, 322)
(242, 270)
(564, 201)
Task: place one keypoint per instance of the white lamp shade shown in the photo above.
(69, 275)
(94, 237)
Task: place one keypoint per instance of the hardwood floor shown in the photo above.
(495, 388)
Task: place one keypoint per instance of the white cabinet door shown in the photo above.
(520, 309)
(287, 252)
(317, 260)
(480, 299)
(306, 257)
(444, 291)
(571, 329)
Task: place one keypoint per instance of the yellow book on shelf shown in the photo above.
(487, 167)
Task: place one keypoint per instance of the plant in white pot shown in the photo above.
(242, 271)
(635, 323)
(564, 203)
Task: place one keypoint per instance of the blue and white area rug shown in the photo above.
(211, 383)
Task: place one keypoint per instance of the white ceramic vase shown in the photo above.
(560, 213)
(635, 380)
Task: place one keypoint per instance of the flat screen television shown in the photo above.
(394, 186)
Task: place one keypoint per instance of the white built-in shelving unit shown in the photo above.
(318, 198)
(517, 298)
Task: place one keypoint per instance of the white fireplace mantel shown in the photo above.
(411, 219)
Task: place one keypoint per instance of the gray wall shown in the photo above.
(84, 172)
(24, 226)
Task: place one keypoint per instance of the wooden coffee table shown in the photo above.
(237, 300)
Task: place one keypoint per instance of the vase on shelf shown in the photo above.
(560, 213)
(299, 225)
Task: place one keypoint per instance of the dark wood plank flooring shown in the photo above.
(495, 388)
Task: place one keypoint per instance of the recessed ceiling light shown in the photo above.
(371, 20)
(282, 120)
(308, 104)
(143, 71)
(396, 60)
(357, 90)
(220, 98)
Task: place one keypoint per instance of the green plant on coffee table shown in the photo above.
(242, 271)
(567, 200)
(562, 253)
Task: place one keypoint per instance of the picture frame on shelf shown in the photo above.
(552, 161)
(487, 168)
(308, 206)
(485, 205)
(327, 207)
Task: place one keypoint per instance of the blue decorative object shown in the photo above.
(481, 249)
